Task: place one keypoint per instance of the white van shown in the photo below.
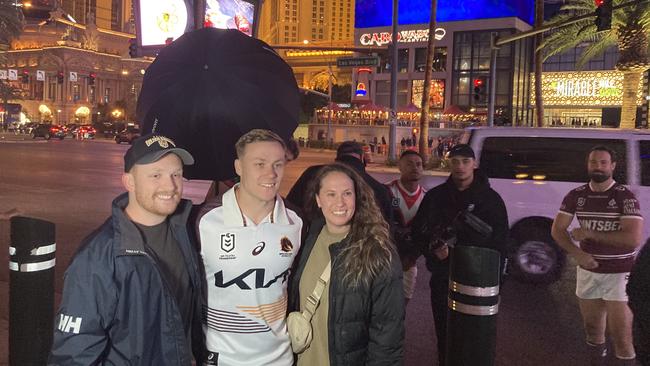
(534, 168)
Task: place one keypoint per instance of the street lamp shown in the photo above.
(116, 113)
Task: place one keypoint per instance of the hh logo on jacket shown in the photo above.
(69, 324)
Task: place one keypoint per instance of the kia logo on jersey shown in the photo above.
(228, 242)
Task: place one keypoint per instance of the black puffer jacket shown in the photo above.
(441, 206)
(366, 324)
(638, 290)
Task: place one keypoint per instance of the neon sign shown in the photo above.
(584, 88)
(405, 36)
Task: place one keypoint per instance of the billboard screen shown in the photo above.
(230, 14)
(379, 13)
(160, 20)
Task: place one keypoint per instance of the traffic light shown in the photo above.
(479, 89)
(133, 47)
(91, 78)
(59, 77)
(24, 77)
(603, 19)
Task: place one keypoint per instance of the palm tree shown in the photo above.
(630, 31)
(424, 112)
(11, 22)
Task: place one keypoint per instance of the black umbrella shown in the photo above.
(211, 86)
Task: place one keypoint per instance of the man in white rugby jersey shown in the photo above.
(248, 240)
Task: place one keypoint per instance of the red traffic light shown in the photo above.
(599, 3)
(478, 82)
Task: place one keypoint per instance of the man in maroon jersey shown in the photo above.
(609, 233)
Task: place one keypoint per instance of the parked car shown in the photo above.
(534, 168)
(48, 131)
(84, 132)
(128, 134)
(27, 128)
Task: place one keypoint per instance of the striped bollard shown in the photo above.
(31, 291)
(473, 306)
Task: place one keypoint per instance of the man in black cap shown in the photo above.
(351, 154)
(131, 293)
(438, 220)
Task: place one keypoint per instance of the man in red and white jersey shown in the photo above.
(609, 235)
(249, 239)
(406, 196)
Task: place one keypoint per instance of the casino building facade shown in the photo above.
(461, 65)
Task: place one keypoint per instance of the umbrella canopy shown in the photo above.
(372, 107)
(208, 88)
(333, 107)
(411, 108)
(453, 110)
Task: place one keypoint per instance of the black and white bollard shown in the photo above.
(473, 306)
(31, 291)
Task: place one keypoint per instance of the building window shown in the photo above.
(76, 95)
(51, 90)
(107, 95)
(471, 63)
(91, 94)
(383, 92)
(439, 59)
(116, 15)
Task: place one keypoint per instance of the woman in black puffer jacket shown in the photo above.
(360, 318)
(638, 291)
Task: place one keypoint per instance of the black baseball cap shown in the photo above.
(349, 147)
(150, 148)
(461, 150)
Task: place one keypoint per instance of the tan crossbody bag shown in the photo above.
(299, 322)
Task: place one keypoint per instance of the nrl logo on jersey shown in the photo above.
(227, 242)
(581, 201)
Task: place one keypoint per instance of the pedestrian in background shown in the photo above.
(638, 291)
(610, 229)
(248, 240)
(466, 190)
(407, 194)
(130, 295)
(360, 318)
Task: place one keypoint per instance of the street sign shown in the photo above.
(357, 61)
(40, 75)
(13, 74)
(73, 76)
(3, 74)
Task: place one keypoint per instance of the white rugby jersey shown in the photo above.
(247, 268)
(406, 203)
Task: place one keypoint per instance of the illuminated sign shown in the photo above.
(379, 13)
(405, 36)
(161, 20)
(596, 88)
(230, 14)
(361, 90)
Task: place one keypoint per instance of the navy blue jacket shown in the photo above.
(116, 307)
